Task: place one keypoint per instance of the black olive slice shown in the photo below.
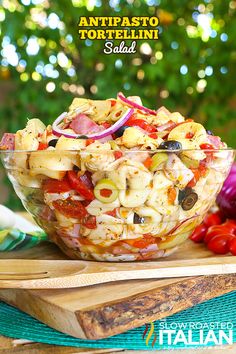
(183, 194)
(53, 142)
(120, 131)
(170, 145)
(82, 137)
(138, 219)
(189, 201)
(209, 132)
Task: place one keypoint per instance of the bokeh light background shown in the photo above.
(191, 68)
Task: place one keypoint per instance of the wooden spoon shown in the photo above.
(45, 274)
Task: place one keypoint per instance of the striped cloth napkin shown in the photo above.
(18, 233)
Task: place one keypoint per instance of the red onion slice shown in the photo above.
(135, 105)
(98, 135)
(181, 224)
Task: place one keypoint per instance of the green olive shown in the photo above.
(106, 191)
(158, 159)
(114, 145)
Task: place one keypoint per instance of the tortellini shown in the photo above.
(133, 137)
(133, 182)
(158, 197)
(54, 165)
(97, 157)
(152, 220)
(97, 208)
(177, 172)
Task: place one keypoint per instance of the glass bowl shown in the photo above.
(110, 205)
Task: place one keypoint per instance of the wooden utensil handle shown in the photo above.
(97, 273)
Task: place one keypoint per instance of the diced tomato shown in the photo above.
(86, 178)
(106, 193)
(171, 195)
(80, 185)
(207, 147)
(196, 177)
(90, 222)
(89, 141)
(56, 186)
(118, 154)
(144, 242)
(106, 125)
(140, 244)
(42, 146)
(147, 163)
(142, 124)
(198, 173)
(112, 212)
(85, 241)
(113, 102)
(71, 208)
(86, 202)
(189, 135)
(188, 120)
(153, 135)
(203, 169)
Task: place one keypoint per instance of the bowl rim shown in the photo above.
(84, 150)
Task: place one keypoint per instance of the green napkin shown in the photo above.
(18, 233)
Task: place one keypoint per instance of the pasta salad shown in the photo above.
(112, 180)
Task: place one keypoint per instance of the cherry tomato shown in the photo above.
(78, 183)
(220, 244)
(90, 222)
(230, 224)
(213, 219)
(70, 208)
(142, 124)
(232, 246)
(199, 233)
(55, 186)
(216, 230)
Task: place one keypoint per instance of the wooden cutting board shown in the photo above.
(104, 310)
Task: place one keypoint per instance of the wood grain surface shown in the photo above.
(107, 309)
